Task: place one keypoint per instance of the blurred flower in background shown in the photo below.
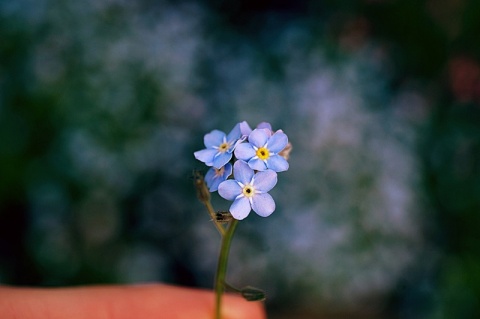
(464, 75)
(103, 102)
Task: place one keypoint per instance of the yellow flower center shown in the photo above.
(223, 147)
(263, 153)
(248, 191)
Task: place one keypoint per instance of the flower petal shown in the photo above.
(229, 189)
(245, 128)
(265, 181)
(277, 163)
(257, 164)
(263, 204)
(277, 142)
(265, 125)
(244, 151)
(213, 179)
(206, 155)
(234, 134)
(242, 172)
(258, 137)
(227, 171)
(236, 143)
(214, 138)
(213, 184)
(240, 208)
(221, 159)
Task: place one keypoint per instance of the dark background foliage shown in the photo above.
(102, 104)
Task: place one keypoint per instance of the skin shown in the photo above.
(121, 302)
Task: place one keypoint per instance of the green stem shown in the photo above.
(203, 194)
(222, 267)
(211, 212)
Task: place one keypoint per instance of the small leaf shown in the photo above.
(253, 294)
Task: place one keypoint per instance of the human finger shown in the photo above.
(121, 302)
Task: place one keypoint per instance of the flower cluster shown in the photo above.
(255, 157)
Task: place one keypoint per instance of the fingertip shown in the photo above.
(238, 308)
(202, 303)
(122, 302)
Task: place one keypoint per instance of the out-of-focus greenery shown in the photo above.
(102, 104)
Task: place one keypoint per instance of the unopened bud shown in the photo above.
(253, 294)
(285, 153)
(203, 193)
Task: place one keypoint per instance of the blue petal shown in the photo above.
(265, 181)
(245, 128)
(258, 137)
(229, 189)
(213, 179)
(277, 163)
(206, 156)
(213, 185)
(227, 171)
(277, 142)
(265, 125)
(238, 142)
(210, 178)
(234, 134)
(214, 138)
(245, 151)
(263, 204)
(242, 172)
(257, 164)
(221, 159)
(240, 208)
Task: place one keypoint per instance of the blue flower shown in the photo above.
(249, 191)
(246, 130)
(262, 150)
(219, 147)
(215, 176)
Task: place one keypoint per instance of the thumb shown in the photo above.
(121, 302)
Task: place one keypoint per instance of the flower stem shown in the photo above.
(211, 212)
(222, 267)
(203, 194)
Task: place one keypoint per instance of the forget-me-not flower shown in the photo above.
(219, 147)
(249, 191)
(215, 176)
(246, 129)
(262, 150)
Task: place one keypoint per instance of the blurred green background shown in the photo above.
(103, 102)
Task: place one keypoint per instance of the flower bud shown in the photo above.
(285, 153)
(253, 294)
(203, 193)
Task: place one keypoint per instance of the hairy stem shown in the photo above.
(211, 212)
